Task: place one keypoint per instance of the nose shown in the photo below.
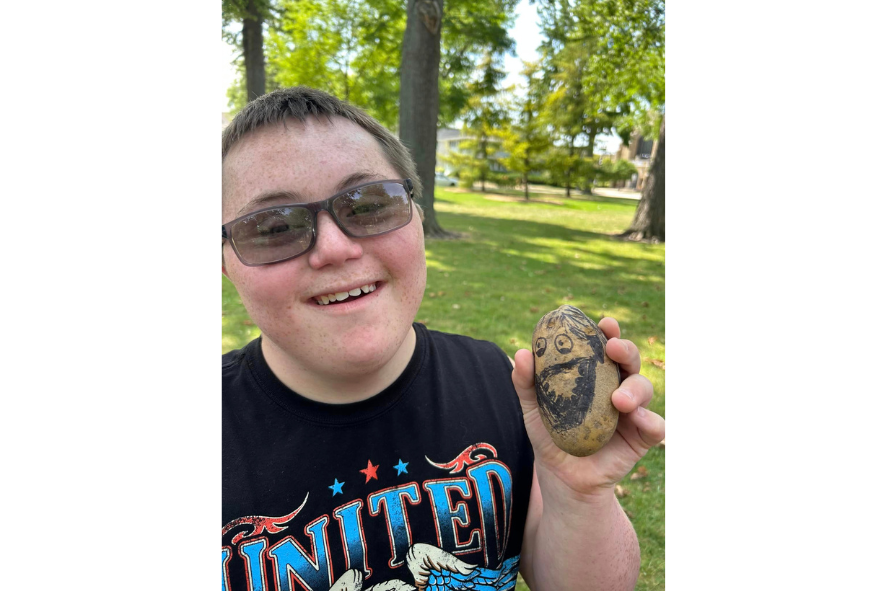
(332, 247)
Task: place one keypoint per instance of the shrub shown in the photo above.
(505, 180)
(465, 179)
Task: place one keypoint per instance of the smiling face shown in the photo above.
(357, 334)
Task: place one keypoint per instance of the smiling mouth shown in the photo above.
(341, 296)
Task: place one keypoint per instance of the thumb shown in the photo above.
(524, 379)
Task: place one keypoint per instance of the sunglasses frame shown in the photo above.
(315, 208)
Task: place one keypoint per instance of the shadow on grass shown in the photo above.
(497, 283)
(555, 198)
(490, 239)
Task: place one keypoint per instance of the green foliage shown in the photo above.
(237, 90)
(567, 167)
(353, 49)
(466, 179)
(505, 180)
(527, 138)
(349, 49)
(541, 178)
(237, 10)
(620, 170)
(475, 156)
(604, 66)
(471, 29)
(517, 148)
(486, 113)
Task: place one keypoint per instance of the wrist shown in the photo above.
(582, 491)
(570, 502)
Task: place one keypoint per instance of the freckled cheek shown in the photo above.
(268, 295)
(406, 261)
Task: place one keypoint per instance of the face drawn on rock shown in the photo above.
(563, 343)
(572, 360)
(541, 345)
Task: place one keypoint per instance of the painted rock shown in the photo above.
(574, 381)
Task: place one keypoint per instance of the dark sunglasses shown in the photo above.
(284, 232)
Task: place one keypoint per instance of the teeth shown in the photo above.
(340, 296)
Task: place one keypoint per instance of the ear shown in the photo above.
(224, 271)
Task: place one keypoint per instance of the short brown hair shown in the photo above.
(301, 102)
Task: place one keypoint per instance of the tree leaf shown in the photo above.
(656, 362)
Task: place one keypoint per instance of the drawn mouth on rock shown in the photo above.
(345, 296)
(567, 408)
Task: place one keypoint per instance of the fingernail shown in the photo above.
(641, 412)
(627, 393)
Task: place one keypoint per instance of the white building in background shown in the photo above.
(449, 140)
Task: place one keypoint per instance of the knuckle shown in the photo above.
(631, 348)
(654, 433)
(642, 386)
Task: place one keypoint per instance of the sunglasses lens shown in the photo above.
(273, 235)
(373, 209)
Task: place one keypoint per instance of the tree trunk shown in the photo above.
(589, 185)
(254, 53)
(482, 156)
(649, 220)
(420, 98)
(569, 168)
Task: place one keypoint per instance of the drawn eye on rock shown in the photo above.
(541, 345)
(563, 343)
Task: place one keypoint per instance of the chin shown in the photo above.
(358, 351)
(368, 354)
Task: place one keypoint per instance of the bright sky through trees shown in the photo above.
(525, 33)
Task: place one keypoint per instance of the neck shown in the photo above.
(336, 386)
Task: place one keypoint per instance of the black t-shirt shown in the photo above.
(426, 483)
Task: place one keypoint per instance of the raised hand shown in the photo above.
(638, 429)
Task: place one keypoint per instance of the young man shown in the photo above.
(361, 450)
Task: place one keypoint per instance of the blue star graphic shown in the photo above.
(336, 488)
(401, 467)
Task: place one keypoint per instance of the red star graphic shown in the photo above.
(370, 471)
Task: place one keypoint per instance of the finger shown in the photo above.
(625, 354)
(635, 391)
(642, 429)
(610, 327)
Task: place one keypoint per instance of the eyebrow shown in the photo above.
(288, 197)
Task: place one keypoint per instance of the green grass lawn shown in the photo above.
(516, 261)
